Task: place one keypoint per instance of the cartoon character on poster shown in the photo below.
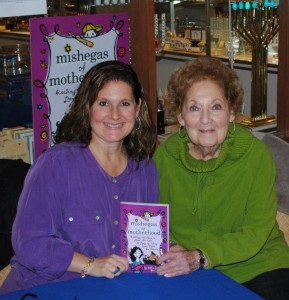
(63, 49)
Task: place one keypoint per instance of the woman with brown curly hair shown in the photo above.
(219, 181)
(67, 224)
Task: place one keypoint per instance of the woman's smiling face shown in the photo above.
(114, 112)
(206, 116)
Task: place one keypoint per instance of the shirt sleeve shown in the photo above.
(36, 231)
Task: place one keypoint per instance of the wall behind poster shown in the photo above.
(63, 49)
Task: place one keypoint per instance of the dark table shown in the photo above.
(204, 284)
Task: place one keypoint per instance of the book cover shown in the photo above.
(144, 234)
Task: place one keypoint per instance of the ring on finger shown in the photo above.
(117, 269)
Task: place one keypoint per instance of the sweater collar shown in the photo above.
(235, 145)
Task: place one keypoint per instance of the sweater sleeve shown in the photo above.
(36, 231)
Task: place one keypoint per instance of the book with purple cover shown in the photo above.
(144, 234)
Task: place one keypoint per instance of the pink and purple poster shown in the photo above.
(63, 49)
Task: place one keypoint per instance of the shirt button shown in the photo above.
(70, 219)
(115, 197)
(115, 222)
(97, 217)
(113, 246)
(114, 180)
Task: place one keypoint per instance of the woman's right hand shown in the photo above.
(108, 266)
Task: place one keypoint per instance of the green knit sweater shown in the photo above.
(225, 206)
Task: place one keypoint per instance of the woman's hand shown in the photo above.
(108, 266)
(178, 261)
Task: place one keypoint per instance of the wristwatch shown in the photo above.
(202, 259)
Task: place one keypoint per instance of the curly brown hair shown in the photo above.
(75, 125)
(200, 69)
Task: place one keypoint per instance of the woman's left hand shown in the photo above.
(178, 261)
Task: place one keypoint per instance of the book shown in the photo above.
(144, 234)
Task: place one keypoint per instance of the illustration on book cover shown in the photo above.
(144, 234)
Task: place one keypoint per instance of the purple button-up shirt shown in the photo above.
(69, 203)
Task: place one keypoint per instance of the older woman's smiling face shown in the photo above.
(206, 116)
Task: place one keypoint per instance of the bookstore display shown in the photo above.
(204, 27)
